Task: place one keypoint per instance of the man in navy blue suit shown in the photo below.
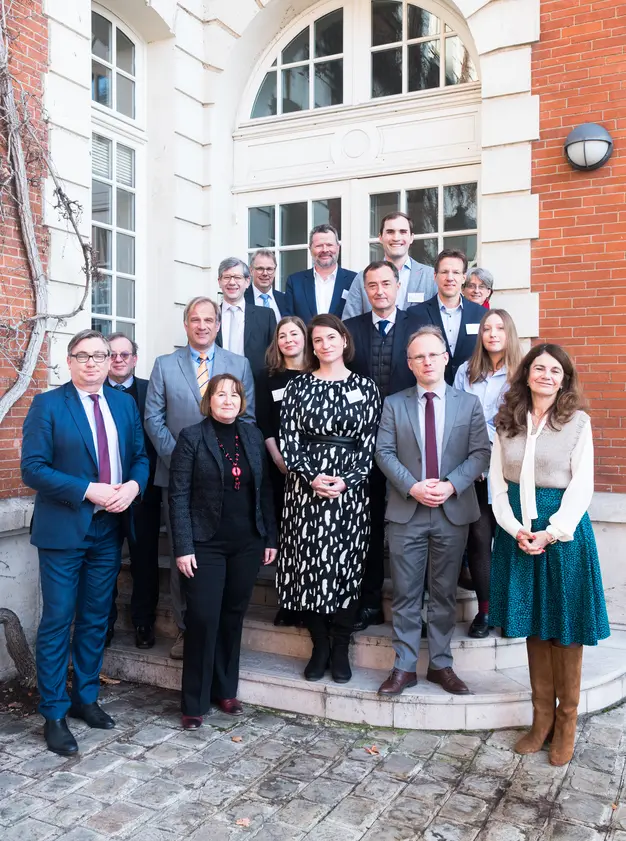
(83, 452)
(325, 287)
(454, 315)
(261, 291)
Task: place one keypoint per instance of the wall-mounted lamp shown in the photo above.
(588, 146)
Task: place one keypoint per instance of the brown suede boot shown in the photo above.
(543, 695)
(567, 665)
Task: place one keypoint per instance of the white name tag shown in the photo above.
(415, 297)
(277, 394)
(472, 329)
(345, 294)
(355, 395)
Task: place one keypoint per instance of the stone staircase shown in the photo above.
(273, 659)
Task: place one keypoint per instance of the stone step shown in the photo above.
(501, 697)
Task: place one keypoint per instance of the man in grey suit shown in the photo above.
(417, 281)
(432, 445)
(176, 386)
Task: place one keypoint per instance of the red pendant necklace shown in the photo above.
(235, 470)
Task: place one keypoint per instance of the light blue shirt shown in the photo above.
(489, 391)
(440, 417)
(451, 322)
(404, 276)
(210, 356)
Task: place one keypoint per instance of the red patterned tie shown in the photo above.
(430, 438)
(104, 463)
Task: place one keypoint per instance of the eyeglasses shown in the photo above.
(125, 355)
(473, 287)
(82, 357)
(262, 270)
(425, 357)
(237, 277)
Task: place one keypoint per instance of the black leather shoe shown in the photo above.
(58, 737)
(479, 629)
(368, 616)
(93, 714)
(144, 636)
(109, 636)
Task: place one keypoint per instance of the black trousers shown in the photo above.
(374, 570)
(479, 541)
(217, 599)
(144, 561)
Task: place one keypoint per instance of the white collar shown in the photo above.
(238, 306)
(440, 391)
(85, 394)
(320, 279)
(127, 382)
(442, 306)
(391, 319)
(257, 293)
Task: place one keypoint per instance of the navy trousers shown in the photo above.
(76, 586)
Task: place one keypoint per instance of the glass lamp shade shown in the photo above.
(588, 147)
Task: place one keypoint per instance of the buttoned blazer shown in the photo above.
(421, 280)
(300, 294)
(173, 399)
(279, 297)
(258, 332)
(59, 461)
(465, 454)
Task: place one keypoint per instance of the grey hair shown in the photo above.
(263, 252)
(427, 330)
(231, 263)
(323, 229)
(121, 335)
(86, 334)
(483, 276)
(200, 299)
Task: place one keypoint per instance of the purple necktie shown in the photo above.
(104, 463)
(430, 438)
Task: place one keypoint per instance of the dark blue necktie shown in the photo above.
(382, 326)
(119, 387)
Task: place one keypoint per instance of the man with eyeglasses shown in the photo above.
(456, 317)
(261, 291)
(83, 452)
(432, 445)
(144, 544)
(246, 329)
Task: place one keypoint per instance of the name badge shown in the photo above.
(472, 329)
(277, 394)
(345, 294)
(355, 395)
(415, 297)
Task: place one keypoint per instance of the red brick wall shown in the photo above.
(579, 261)
(29, 49)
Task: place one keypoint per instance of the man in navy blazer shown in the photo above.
(454, 315)
(83, 452)
(261, 291)
(325, 287)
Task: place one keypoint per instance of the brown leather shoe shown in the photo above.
(448, 681)
(191, 722)
(397, 682)
(230, 706)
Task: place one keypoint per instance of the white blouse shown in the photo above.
(577, 496)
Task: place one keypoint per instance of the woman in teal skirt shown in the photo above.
(545, 574)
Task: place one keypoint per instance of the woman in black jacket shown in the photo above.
(223, 528)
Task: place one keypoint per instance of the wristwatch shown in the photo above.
(551, 539)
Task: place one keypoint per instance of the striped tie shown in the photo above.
(203, 374)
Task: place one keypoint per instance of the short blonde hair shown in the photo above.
(200, 299)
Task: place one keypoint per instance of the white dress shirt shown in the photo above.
(440, 417)
(233, 322)
(111, 430)
(324, 288)
(451, 319)
(391, 318)
(404, 276)
(272, 301)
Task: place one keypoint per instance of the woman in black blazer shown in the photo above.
(223, 528)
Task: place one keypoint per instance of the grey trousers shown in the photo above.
(428, 535)
(176, 592)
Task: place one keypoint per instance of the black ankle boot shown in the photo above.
(320, 657)
(340, 661)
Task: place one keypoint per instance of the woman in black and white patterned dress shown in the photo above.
(329, 419)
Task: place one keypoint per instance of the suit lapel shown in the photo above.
(249, 319)
(252, 453)
(210, 439)
(398, 348)
(77, 412)
(412, 408)
(335, 303)
(189, 373)
(142, 388)
(117, 411)
(459, 349)
(435, 316)
(452, 407)
(309, 290)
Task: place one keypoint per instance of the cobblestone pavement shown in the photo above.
(281, 777)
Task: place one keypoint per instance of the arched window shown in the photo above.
(113, 82)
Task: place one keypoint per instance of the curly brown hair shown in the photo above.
(511, 419)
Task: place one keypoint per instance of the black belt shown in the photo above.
(332, 441)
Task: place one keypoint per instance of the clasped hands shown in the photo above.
(187, 563)
(113, 498)
(432, 492)
(328, 487)
(533, 543)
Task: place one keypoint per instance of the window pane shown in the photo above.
(460, 211)
(103, 325)
(261, 227)
(387, 73)
(329, 34)
(125, 300)
(424, 66)
(424, 251)
(266, 101)
(101, 296)
(100, 84)
(101, 156)
(380, 206)
(376, 252)
(290, 262)
(298, 49)
(459, 66)
(127, 329)
(422, 206)
(125, 168)
(100, 37)
(125, 259)
(100, 202)
(421, 23)
(101, 241)
(296, 89)
(125, 53)
(293, 224)
(125, 96)
(328, 212)
(467, 244)
(328, 83)
(386, 22)
(125, 210)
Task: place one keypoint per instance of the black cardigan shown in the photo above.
(196, 488)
